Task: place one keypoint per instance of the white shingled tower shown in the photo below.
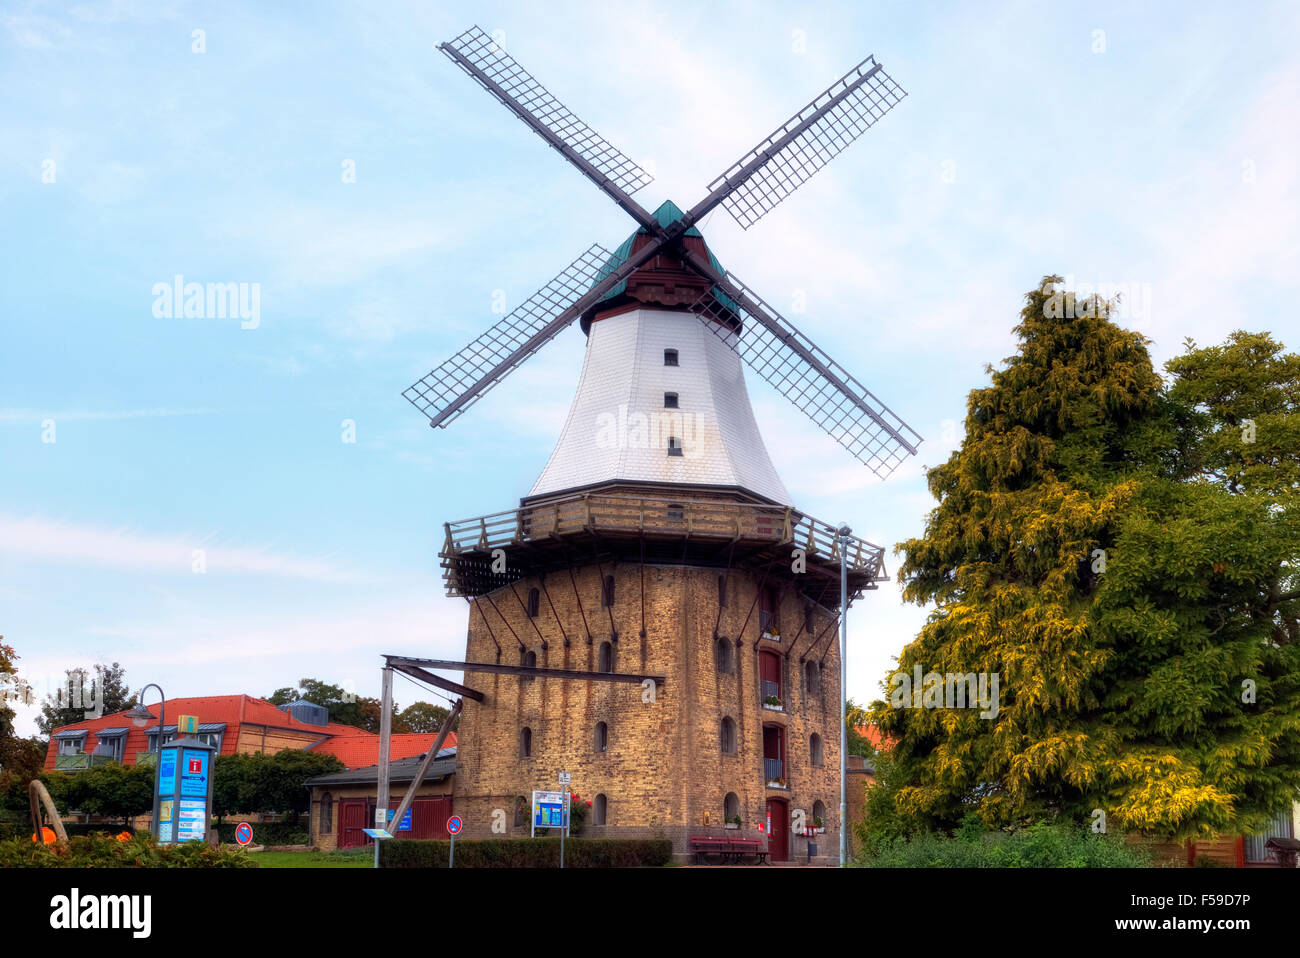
(662, 397)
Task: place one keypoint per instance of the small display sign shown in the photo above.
(244, 833)
(194, 772)
(167, 772)
(548, 809)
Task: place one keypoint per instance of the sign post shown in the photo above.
(185, 791)
(378, 834)
(564, 786)
(454, 826)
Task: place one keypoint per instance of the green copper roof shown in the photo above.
(667, 214)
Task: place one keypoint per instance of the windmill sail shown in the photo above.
(484, 59)
(802, 372)
(805, 143)
(466, 377)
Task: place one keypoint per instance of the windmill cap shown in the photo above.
(667, 214)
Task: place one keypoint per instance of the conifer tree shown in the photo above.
(1127, 572)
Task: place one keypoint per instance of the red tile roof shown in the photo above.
(359, 748)
(353, 746)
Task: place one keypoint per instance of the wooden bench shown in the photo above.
(732, 850)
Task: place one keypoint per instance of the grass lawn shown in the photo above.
(348, 859)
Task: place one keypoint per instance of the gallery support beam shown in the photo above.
(494, 669)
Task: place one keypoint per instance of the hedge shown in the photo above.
(527, 853)
(267, 833)
(23, 829)
(1039, 846)
(102, 851)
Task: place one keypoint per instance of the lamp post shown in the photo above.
(842, 536)
(140, 717)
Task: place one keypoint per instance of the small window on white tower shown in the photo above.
(670, 357)
(674, 446)
(670, 400)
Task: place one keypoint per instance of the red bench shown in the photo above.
(732, 850)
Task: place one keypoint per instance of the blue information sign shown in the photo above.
(194, 773)
(167, 772)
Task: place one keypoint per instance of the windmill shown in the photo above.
(606, 573)
(768, 343)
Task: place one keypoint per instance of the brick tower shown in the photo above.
(658, 541)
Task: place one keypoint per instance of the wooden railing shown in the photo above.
(659, 517)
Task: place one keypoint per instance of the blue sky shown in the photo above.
(1149, 149)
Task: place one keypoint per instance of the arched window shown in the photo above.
(809, 620)
(606, 663)
(602, 736)
(521, 812)
(811, 677)
(815, 748)
(530, 661)
(722, 590)
(599, 813)
(729, 735)
(326, 814)
(534, 603)
(525, 742)
(730, 808)
(723, 655)
(670, 357)
(607, 592)
(819, 814)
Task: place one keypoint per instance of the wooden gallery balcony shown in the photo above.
(583, 528)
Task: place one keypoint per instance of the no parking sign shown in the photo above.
(244, 833)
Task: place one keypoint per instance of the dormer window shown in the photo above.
(674, 446)
(670, 400)
(670, 357)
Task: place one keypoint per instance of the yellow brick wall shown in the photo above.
(664, 771)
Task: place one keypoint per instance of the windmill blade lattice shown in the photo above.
(829, 396)
(520, 92)
(466, 377)
(809, 140)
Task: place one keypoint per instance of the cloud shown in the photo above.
(123, 548)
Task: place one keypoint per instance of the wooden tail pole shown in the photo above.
(38, 795)
(418, 780)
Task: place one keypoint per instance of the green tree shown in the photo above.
(343, 707)
(258, 782)
(425, 717)
(107, 681)
(1099, 547)
(112, 790)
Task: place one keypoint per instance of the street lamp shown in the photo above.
(140, 717)
(842, 536)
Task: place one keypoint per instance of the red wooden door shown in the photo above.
(429, 818)
(352, 819)
(778, 843)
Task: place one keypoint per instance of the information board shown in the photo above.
(548, 810)
(194, 773)
(167, 772)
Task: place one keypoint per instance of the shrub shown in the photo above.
(103, 851)
(528, 853)
(267, 833)
(1038, 846)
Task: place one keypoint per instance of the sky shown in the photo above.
(179, 494)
